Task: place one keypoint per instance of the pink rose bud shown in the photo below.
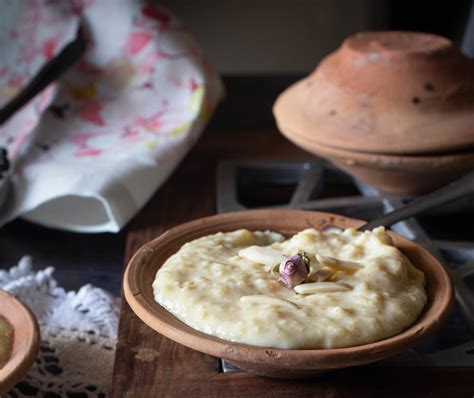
(293, 270)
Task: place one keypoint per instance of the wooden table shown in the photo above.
(149, 365)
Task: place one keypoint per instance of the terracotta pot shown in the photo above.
(408, 175)
(273, 362)
(385, 92)
(25, 344)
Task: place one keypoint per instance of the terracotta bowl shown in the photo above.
(385, 92)
(398, 174)
(273, 362)
(26, 340)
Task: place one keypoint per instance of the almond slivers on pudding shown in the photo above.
(358, 288)
(6, 341)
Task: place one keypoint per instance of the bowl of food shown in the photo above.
(19, 340)
(288, 293)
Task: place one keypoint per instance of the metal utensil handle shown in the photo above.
(463, 186)
(46, 75)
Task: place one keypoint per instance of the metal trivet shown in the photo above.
(316, 185)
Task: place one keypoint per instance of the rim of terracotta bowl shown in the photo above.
(384, 160)
(26, 340)
(141, 270)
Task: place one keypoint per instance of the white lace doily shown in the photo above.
(78, 335)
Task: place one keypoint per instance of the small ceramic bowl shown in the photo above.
(26, 340)
(406, 175)
(273, 362)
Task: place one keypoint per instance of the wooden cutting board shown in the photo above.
(150, 365)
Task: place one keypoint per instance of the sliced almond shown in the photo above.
(332, 229)
(335, 276)
(261, 298)
(321, 274)
(321, 287)
(339, 265)
(262, 255)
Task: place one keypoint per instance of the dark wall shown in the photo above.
(447, 18)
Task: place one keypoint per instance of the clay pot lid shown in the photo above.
(385, 92)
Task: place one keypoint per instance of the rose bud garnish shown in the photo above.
(294, 270)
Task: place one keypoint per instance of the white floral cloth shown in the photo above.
(94, 146)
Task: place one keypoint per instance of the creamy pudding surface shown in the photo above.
(359, 289)
(6, 341)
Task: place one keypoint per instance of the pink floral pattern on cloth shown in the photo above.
(93, 147)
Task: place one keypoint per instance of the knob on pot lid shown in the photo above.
(385, 92)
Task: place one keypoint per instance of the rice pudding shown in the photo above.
(6, 341)
(359, 288)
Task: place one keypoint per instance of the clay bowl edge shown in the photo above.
(26, 340)
(411, 174)
(272, 362)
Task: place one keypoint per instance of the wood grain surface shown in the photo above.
(149, 365)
